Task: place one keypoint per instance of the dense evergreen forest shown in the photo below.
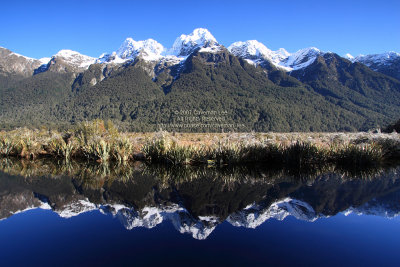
(209, 91)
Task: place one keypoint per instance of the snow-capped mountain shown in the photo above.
(349, 57)
(69, 61)
(183, 221)
(74, 58)
(71, 203)
(150, 217)
(149, 50)
(65, 61)
(380, 59)
(158, 58)
(199, 228)
(19, 202)
(387, 63)
(254, 215)
(301, 59)
(386, 206)
(184, 45)
(75, 208)
(255, 52)
(375, 210)
(14, 63)
(152, 51)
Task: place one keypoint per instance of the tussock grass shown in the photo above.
(296, 155)
(100, 141)
(365, 155)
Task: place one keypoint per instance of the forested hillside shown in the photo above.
(332, 94)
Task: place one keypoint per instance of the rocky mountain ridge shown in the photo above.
(139, 84)
(387, 63)
(152, 51)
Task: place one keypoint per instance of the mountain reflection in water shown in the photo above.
(195, 199)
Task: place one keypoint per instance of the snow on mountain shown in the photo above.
(150, 217)
(349, 57)
(376, 60)
(387, 63)
(76, 208)
(27, 58)
(281, 53)
(254, 215)
(184, 45)
(14, 63)
(74, 58)
(386, 206)
(200, 228)
(149, 50)
(43, 206)
(301, 59)
(211, 49)
(375, 210)
(159, 57)
(170, 60)
(44, 60)
(255, 52)
(19, 203)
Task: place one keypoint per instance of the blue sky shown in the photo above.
(42, 28)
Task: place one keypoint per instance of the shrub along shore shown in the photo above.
(100, 141)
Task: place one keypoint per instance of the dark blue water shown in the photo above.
(41, 237)
(146, 221)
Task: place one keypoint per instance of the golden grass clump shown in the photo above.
(100, 141)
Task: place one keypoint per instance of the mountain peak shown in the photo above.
(378, 58)
(255, 52)
(349, 57)
(74, 58)
(302, 58)
(66, 53)
(282, 52)
(11, 62)
(387, 63)
(149, 49)
(186, 44)
(130, 49)
(44, 60)
(249, 48)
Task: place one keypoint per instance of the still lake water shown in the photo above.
(56, 214)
